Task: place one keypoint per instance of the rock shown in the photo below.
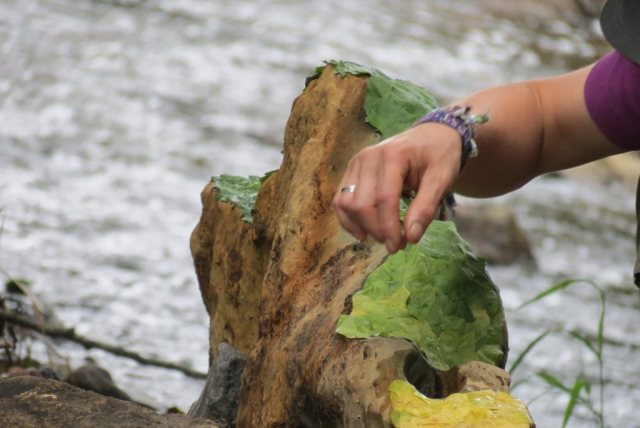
(92, 377)
(493, 232)
(31, 402)
(54, 371)
(219, 399)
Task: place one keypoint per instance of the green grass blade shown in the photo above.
(554, 382)
(528, 349)
(573, 399)
(549, 291)
(603, 301)
(560, 287)
(586, 342)
(601, 360)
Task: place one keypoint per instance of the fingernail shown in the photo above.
(389, 244)
(416, 231)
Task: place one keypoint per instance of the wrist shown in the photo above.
(463, 123)
(439, 144)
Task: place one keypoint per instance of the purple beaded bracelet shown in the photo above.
(464, 123)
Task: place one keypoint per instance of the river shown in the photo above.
(115, 113)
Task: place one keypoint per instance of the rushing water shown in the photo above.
(114, 114)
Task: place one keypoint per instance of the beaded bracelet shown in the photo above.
(464, 123)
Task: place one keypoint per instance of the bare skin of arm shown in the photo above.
(536, 127)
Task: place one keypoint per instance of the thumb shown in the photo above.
(433, 186)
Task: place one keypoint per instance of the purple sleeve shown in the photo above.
(612, 95)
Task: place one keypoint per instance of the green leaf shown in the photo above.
(526, 351)
(345, 67)
(573, 399)
(405, 201)
(391, 105)
(436, 294)
(241, 192)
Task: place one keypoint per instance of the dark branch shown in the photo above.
(70, 334)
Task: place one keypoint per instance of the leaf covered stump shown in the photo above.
(277, 287)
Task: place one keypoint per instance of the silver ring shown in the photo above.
(350, 189)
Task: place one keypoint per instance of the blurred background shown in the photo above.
(114, 114)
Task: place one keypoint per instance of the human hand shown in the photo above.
(424, 159)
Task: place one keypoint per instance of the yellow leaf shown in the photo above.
(478, 409)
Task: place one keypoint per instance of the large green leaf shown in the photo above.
(436, 294)
(240, 191)
(391, 105)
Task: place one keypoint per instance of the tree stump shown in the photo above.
(275, 289)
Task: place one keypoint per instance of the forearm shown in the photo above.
(536, 127)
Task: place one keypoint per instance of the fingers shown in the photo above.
(434, 185)
(361, 209)
(373, 209)
(357, 211)
(390, 183)
(425, 158)
(344, 199)
(350, 226)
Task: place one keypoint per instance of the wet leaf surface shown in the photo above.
(437, 295)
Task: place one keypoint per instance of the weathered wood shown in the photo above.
(475, 376)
